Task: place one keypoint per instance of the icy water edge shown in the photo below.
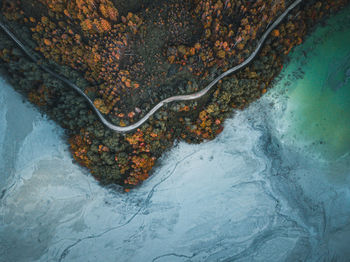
(274, 186)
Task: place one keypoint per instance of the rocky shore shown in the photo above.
(128, 56)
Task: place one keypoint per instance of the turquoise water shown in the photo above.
(317, 84)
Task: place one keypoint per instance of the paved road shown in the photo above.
(123, 129)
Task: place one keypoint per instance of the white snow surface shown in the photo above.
(246, 196)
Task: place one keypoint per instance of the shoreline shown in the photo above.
(128, 159)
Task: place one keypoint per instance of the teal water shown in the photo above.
(317, 84)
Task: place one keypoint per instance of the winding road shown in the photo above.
(123, 129)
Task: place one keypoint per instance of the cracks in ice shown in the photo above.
(270, 149)
(259, 241)
(145, 203)
(173, 254)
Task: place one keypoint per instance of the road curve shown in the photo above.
(123, 129)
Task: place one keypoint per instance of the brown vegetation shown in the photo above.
(109, 50)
